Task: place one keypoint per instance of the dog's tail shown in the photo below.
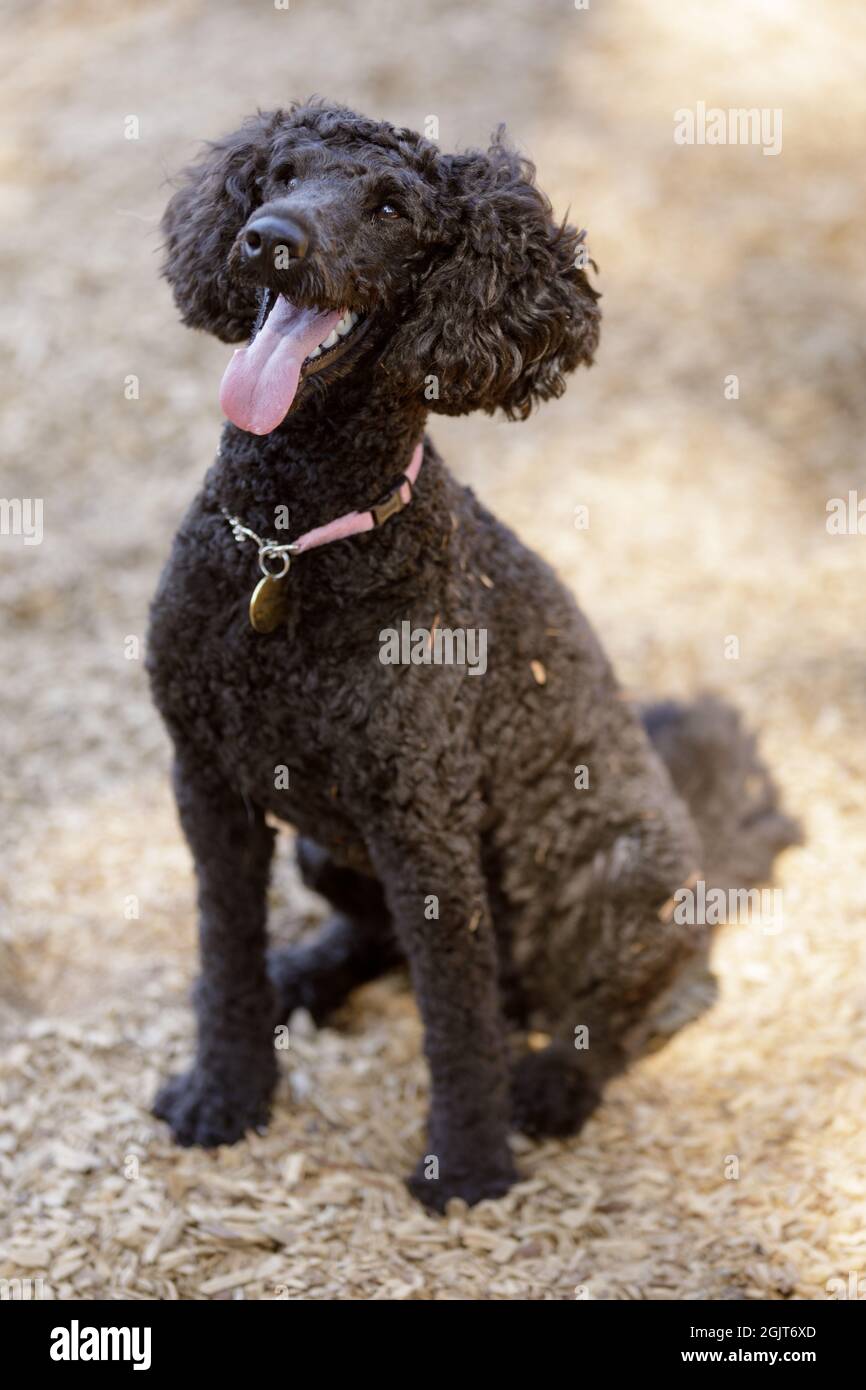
(715, 766)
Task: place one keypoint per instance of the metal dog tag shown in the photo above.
(269, 604)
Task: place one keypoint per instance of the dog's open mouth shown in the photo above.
(261, 381)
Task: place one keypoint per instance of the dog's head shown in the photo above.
(343, 245)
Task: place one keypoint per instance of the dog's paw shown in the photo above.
(550, 1096)
(473, 1185)
(200, 1109)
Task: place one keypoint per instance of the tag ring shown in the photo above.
(268, 553)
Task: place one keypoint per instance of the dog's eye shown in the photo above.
(292, 183)
(387, 210)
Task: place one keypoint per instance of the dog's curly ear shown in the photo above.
(214, 199)
(505, 309)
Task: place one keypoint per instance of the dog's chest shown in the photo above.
(283, 715)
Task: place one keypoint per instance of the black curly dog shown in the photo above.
(440, 813)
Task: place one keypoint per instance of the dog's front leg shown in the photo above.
(435, 891)
(229, 1086)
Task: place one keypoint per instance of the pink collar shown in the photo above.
(398, 496)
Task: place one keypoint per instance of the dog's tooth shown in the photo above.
(331, 339)
(315, 353)
(345, 325)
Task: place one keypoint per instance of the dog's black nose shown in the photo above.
(269, 237)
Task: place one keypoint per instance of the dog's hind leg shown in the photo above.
(355, 945)
(611, 973)
(556, 1085)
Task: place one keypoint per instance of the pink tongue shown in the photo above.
(260, 382)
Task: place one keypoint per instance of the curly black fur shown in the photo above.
(412, 785)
